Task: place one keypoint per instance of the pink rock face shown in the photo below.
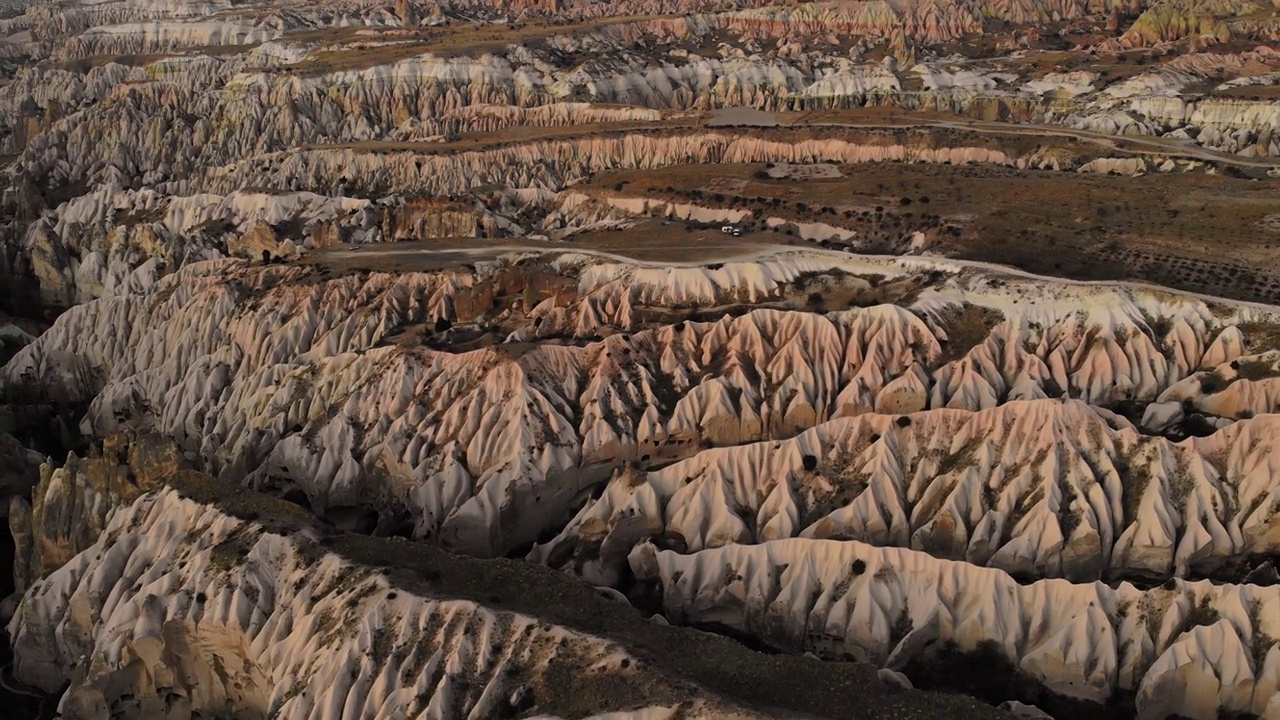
(683, 305)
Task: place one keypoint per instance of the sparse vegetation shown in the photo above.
(966, 326)
(1201, 613)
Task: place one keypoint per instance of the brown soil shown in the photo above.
(1190, 231)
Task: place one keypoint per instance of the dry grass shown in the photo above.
(1260, 336)
(85, 64)
(659, 241)
(474, 141)
(871, 116)
(452, 40)
(1110, 67)
(647, 241)
(1249, 92)
(1188, 231)
(966, 326)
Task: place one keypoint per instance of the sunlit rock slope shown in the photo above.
(197, 600)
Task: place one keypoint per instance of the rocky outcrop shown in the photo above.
(114, 241)
(1037, 489)
(1190, 649)
(19, 466)
(1169, 23)
(891, 459)
(1242, 386)
(331, 388)
(229, 619)
(185, 609)
(285, 113)
(71, 503)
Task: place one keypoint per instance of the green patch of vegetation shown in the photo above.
(1182, 483)
(144, 217)
(1262, 642)
(901, 627)
(1252, 369)
(1021, 509)
(1255, 369)
(966, 326)
(1202, 613)
(963, 458)
(328, 628)
(1153, 615)
(227, 556)
(1068, 520)
(1159, 328)
(1260, 336)
(1135, 475)
(1122, 336)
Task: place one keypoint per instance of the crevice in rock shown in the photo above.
(985, 674)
